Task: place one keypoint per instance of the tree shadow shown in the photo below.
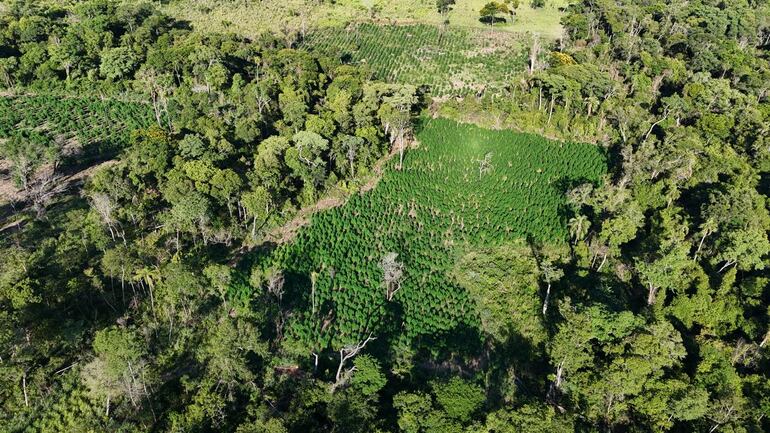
(454, 352)
(518, 364)
(693, 198)
(296, 289)
(492, 20)
(764, 184)
(564, 185)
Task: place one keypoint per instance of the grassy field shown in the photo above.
(544, 21)
(456, 62)
(463, 188)
(252, 17)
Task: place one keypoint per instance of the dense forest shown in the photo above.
(209, 232)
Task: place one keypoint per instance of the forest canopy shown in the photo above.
(207, 232)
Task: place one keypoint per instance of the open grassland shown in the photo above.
(544, 21)
(461, 189)
(450, 62)
(253, 17)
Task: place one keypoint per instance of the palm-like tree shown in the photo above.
(147, 277)
(578, 227)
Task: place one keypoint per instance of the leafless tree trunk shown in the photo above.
(24, 388)
(534, 51)
(727, 264)
(604, 260)
(654, 124)
(700, 244)
(392, 274)
(485, 165)
(313, 278)
(652, 293)
(43, 190)
(559, 374)
(765, 340)
(550, 111)
(547, 296)
(346, 353)
(275, 283)
(540, 99)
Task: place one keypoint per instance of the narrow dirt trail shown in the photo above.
(287, 231)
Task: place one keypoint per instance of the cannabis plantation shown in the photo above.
(463, 187)
(450, 61)
(95, 126)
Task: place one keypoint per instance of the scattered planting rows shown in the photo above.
(451, 62)
(99, 127)
(462, 187)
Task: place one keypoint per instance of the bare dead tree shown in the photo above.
(347, 353)
(557, 382)
(534, 52)
(313, 279)
(351, 155)
(275, 282)
(652, 293)
(392, 274)
(104, 206)
(485, 165)
(159, 87)
(43, 190)
(765, 339)
(399, 129)
(550, 274)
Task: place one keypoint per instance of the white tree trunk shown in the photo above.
(652, 292)
(24, 388)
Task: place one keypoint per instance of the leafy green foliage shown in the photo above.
(368, 379)
(503, 283)
(458, 398)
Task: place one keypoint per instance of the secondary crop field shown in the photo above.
(463, 188)
(91, 127)
(453, 62)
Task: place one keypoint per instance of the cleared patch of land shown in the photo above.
(451, 61)
(82, 132)
(544, 21)
(97, 126)
(462, 188)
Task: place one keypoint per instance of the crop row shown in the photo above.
(450, 61)
(96, 125)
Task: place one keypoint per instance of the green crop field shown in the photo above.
(461, 189)
(454, 62)
(93, 126)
